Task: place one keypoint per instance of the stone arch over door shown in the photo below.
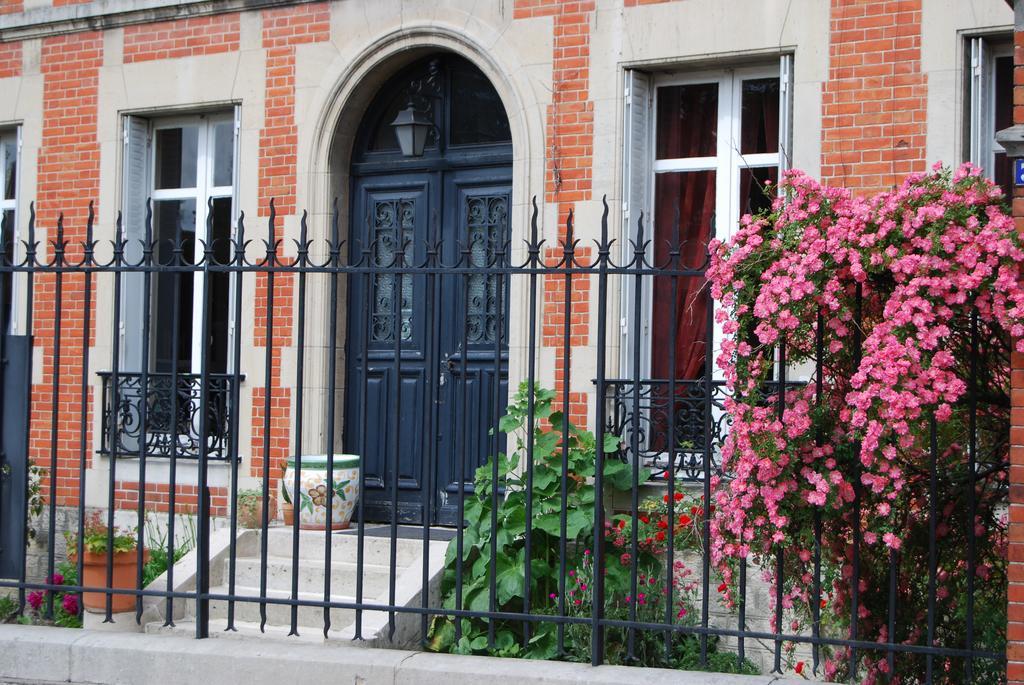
(420, 437)
(337, 106)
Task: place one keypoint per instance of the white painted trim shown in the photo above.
(201, 194)
(12, 135)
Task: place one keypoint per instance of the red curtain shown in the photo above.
(687, 127)
(693, 194)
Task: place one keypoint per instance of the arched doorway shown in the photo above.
(423, 388)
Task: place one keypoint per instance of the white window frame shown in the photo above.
(201, 194)
(727, 164)
(7, 136)
(982, 144)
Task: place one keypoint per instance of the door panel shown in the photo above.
(389, 214)
(474, 331)
(454, 350)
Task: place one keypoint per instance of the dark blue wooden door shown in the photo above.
(433, 353)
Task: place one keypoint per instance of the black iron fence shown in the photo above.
(423, 330)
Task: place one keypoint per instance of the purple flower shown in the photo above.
(35, 599)
(70, 604)
(55, 579)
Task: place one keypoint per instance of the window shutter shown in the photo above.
(135, 190)
(636, 201)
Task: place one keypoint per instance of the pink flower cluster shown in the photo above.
(942, 247)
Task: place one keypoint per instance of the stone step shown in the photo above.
(277, 614)
(344, 547)
(280, 614)
(311, 575)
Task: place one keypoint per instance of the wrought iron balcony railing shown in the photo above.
(173, 415)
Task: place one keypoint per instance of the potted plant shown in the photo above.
(250, 507)
(315, 491)
(96, 535)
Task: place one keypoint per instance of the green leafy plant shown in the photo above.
(559, 461)
(96, 535)
(8, 608)
(156, 545)
(34, 503)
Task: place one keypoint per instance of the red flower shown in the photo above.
(663, 524)
(723, 587)
(660, 536)
(679, 497)
(664, 498)
(799, 667)
(684, 520)
(645, 519)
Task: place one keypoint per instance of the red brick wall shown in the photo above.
(187, 38)
(280, 446)
(10, 60)
(874, 102)
(1015, 613)
(10, 6)
(68, 178)
(158, 498)
(569, 151)
(283, 29)
(59, 3)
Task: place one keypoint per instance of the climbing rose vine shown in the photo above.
(914, 288)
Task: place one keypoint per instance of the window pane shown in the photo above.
(6, 278)
(1002, 109)
(693, 195)
(478, 116)
(687, 121)
(176, 153)
(223, 153)
(757, 189)
(174, 224)
(10, 170)
(1003, 92)
(759, 130)
(218, 290)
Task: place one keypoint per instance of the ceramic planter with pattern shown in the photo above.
(311, 503)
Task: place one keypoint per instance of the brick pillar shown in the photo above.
(1015, 611)
(568, 178)
(68, 179)
(284, 29)
(874, 104)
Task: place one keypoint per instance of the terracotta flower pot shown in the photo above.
(94, 574)
(251, 516)
(288, 511)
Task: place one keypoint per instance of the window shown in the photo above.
(9, 149)
(706, 147)
(989, 100)
(186, 166)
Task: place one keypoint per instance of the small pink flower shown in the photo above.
(35, 599)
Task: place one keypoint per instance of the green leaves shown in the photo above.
(558, 460)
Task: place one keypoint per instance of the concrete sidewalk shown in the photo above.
(35, 654)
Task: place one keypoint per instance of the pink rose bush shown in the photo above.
(903, 285)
